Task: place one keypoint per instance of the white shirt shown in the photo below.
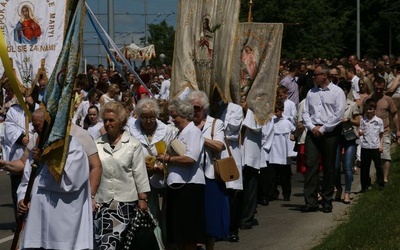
(49, 223)
(165, 86)
(218, 136)
(355, 87)
(193, 139)
(251, 149)
(14, 126)
(163, 133)
(282, 146)
(82, 111)
(232, 117)
(325, 107)
(95, 130)
(290, 110)
(371, 129)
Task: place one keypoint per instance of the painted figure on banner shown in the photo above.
(204, 60)
(207, 36)
(249, 67)
(27, 30)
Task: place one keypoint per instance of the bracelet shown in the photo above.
(145, 200)
(167, 160)
(92, 197)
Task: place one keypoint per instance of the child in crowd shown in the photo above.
(371, 132)
(279, 150)
(289, 106)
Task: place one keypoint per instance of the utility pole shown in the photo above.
(110, 21)
(358, 29)
(146, 42)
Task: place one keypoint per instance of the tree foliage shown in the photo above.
(324, 28)
(162, 36)
(313, 28)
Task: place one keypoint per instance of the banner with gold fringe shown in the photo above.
(205, 32)
(10, 74)
(34, 32)
(255, 67)
(58, 98)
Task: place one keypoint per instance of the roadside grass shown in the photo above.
(374, 220)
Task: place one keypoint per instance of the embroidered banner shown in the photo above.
(256, 65)
(135, 52)
(205, 33)
(34, 34)
(57, 98)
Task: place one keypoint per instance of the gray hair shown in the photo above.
(147, 104)
(39, 113)
(200, 96)
(183, 108)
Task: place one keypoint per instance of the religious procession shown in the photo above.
(180, 156)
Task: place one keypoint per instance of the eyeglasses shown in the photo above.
(145, 119)
(197, 108)
(318, 74)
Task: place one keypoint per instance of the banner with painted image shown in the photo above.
(34, 33)
(205, 33)
(256, 66)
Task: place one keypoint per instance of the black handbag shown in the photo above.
(141, 233)
(348, 131)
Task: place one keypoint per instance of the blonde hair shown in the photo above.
(116, 108)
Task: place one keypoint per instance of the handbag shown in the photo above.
(225, 169)
(348, 131)
(143, 232)
(177, 147)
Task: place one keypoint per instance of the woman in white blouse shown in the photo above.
(151, 132)
(216, 195)
(186, 184)
(124, 181)
(92, 123)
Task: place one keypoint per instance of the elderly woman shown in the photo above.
(154, 135)
(232, 116)
(216, 195)
(124, 180)
(186, 184)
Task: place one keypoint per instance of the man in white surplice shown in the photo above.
(60, 214)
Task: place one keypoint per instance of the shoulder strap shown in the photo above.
(212, 128)
(227, 145)
(226, 141)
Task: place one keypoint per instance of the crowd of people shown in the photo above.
(133, 147)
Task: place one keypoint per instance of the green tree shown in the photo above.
(323, 28)
(162, 36)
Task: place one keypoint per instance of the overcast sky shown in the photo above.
(129, 23)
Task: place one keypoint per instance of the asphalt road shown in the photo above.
(281, 224)
(7, 222)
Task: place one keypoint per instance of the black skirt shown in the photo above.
(185, 214)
